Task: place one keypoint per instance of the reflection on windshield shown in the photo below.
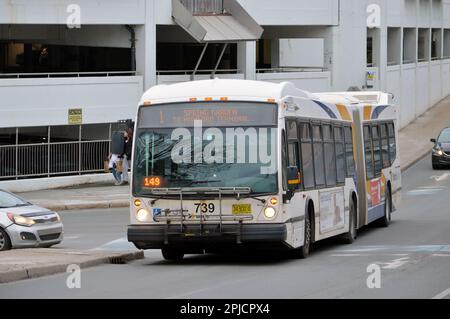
(444, 137)
(8, 201)
(154, 165)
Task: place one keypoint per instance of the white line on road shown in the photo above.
(442, 295)
(394, 264)
(440, 178)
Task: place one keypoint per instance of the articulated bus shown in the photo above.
(224, 164)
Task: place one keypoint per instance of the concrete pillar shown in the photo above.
(146, 46)
(246, 59)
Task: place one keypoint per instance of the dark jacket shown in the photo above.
(127, 149)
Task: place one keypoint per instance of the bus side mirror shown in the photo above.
(293, 178)
(433, 140)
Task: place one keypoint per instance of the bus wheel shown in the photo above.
(385, 221)
(172, 254)
(350, 236)
(303, 252)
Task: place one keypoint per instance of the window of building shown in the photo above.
(423, 45)
(409, 45)
(394, 46)
(436, 44)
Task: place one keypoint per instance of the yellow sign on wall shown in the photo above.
(75, 116)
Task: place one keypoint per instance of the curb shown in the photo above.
(414, 161)
(78, 206)
(52, 269)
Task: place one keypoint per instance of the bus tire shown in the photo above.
(303, 252)
(386, 220)
(172, 254)
(350, 236)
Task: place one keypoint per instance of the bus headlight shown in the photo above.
(142, 215)
(270, 212)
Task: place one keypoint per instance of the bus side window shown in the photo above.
(340, 155)
(384, 146)
(283, 159)
(368, 152)
(349, 151)
(330, 159)
(319, 166)
(392, 143)
(292, 150)
(378, 165)
(307, 162)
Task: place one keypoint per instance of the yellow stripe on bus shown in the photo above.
(367, 112)
(344, 112)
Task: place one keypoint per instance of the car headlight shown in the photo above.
(438, 152)
(270, 212)
(142, 215)
(21, 220)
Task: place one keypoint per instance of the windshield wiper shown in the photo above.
(203, 182)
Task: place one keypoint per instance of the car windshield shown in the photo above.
(8, 200)
(222, 154)
(444, 137)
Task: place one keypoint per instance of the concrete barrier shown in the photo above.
(35, 184)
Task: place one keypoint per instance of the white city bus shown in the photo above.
(377, 153)
(222, 164)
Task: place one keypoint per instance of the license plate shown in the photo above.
(241, 209)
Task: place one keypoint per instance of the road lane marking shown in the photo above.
(440, 178)
(442, 295)
(398, 249)
(71, 237)
(394, 264)
(424, 191)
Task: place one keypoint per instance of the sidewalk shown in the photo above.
(89, 196)
(37, 262)
(414, 142)
(414, 139)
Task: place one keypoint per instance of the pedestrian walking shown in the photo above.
(115, 161)
(126, 155)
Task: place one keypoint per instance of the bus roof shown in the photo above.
(355, 98)
(230, 88)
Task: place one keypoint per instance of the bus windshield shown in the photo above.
(217, 153)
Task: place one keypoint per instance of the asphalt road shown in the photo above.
(413, 254)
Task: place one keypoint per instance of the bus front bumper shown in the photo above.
(205, 236)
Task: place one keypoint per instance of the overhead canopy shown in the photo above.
(233, 26)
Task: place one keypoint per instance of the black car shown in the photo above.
(440, 154)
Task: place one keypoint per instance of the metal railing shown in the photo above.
(204, 6)
(51, 159)
(291, 69)
(189, 72)
(66, 74)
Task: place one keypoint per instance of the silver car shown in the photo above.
(24, 225)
